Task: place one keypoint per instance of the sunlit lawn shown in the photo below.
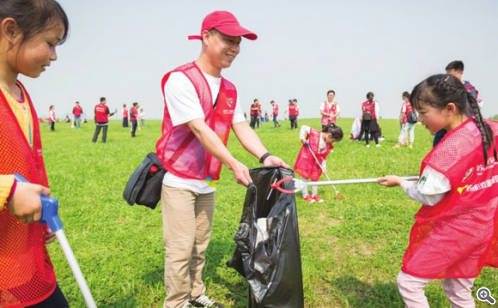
(351, 249)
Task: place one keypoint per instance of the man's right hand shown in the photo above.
(240, 173)
(25, 204)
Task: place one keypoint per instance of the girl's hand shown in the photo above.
(25, 204)
(390, 180)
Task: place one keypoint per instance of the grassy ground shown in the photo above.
(351, 249)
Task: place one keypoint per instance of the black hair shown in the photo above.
(330, 91)
(135, 103)
(33, 16)
(456, 65)
(439, 90)
(255, 100)
(334, 130)
(294, 100)
(102, 99)
(124, 105)
(406, 94)
(370, 94)
(272, 101)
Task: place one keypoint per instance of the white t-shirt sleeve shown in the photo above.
(337, 108)
(181, 99)
(430, 188)
(322, 107)
(303, 133)
(238, 115)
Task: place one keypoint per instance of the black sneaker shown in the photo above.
(204, 301)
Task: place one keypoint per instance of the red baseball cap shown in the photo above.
(226, 23)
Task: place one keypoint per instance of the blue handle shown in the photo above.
(50, 207)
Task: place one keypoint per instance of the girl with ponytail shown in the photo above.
(456, 230)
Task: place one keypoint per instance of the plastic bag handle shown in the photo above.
(280, 189)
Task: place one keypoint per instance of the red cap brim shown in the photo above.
(233, 30)
(194, 37)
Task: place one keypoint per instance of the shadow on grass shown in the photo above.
(216, 255)
(154, 277)
(360, 294)
(215, 258)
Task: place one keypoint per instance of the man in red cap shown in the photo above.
(200, 109)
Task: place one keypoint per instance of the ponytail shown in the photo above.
(487, 136)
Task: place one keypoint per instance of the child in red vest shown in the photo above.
(311, 160)
(456, 231)
(29, 34)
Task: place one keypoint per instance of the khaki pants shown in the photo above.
(187, 218)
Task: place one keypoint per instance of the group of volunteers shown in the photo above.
(256, 113)
(454, 235)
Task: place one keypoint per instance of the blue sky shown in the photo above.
(121, 50)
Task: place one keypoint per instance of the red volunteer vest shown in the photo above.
(101, 113)
(292, 110)
(77, 111)
(456, 237)
(125, 113)
(254, 109)
(408, 109)
(370, 106)
(26, 273)
(275, 110)
(133, 114)
(180, 152)
(305, 164)
(333, 110)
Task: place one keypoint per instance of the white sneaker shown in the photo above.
(377, 145)
(368, 145)
(204, 301)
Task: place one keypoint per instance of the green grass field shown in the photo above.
(351, 249)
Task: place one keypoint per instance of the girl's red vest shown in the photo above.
(459, 235)
(101, 113)
(180, 152)
(370, 106)
(26, 273)
(333, 109)
(125, 113)
(293, 110)
(305, 164)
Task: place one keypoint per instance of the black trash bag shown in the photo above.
(268, 254)
(144, 185)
